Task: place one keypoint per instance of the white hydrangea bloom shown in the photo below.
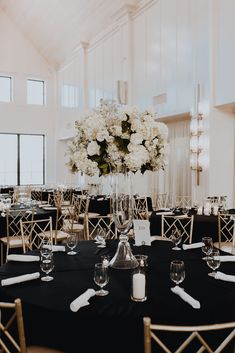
(93, 148)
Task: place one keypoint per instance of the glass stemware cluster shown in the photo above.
(46, 259)
(212, 255)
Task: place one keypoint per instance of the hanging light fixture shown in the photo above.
(196, 140)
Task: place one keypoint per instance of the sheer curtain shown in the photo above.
(176, 178)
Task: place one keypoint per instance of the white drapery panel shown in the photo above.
(176, 179)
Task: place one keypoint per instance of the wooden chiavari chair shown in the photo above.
(13, 238)
(183, 201)
(12, 340)
(185, 225)
(141, 208)
(55, 199)
(161, 201)
(35, 232)
(226, 233)
(202, 335)
(36, 195)
(81, 213)
(92, 225)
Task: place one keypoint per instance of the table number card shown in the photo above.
(142, 232)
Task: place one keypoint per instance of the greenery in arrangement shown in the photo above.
(117, 139)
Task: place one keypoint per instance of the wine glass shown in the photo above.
(177, 271)
(72, 240)
(207, 246)
(213, 261)
(185, 210)
(46, 247)
(47, 265)
(101, 236)
(101, 278)
(176, 238)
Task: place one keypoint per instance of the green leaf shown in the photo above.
(126, 126)
(122, 144)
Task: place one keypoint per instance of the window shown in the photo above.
(5, 89)
(8, 169)
(69, 96)
(35, 92)
(24, 161)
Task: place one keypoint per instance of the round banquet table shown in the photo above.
(114, 323)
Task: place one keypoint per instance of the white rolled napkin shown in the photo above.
(19, 279)
(23, 258)
(82, 300)
(55, 248)
(227, 258)
(224, 277)
(192, 246)
(186, 297)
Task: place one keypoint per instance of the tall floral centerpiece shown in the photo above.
(118, 140)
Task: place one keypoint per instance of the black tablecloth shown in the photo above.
(116, 317)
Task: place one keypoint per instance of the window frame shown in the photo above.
(18, 155)
(44, 101)
(11, 87)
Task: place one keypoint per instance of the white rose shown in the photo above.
(93, 148)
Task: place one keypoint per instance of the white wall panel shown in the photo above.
(140, 88)
(184, 60)
(169, 17)
(108, 68)
(91, 81)
(153, 52)
(99, 73)
(116, 61)
(224, 30)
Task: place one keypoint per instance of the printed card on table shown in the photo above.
(142, 232)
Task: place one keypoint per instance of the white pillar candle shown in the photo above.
(138, 285)
(215, 210)
(199, 211)
(207, 211)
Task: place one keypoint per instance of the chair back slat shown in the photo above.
(185, 225)
(11, 315)
(195, 334)
(35, 232)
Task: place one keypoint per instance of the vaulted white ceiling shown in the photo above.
(57, 27)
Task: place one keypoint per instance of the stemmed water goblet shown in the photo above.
(101, 278)
(177, 271)
(185, 210)
(72, 240)
(47, 265)
(213, 261)
(176, 238)
(46, 247)
(207, 246)
(101, 237)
